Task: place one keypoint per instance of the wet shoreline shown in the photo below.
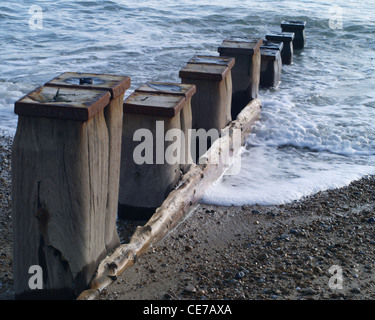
(250, 252)
(285, 252)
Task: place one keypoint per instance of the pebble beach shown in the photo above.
(293, 251)
(6, 228)
(285, 252)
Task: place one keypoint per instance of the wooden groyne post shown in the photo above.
(246, 72)
(150, 160)
(61, 165)
(298, 28)
(272, 45)
(271, 67)
(211, 105)
(188, 91)
(287, 39)
(116, 85)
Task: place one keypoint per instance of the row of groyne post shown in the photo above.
(74, 165)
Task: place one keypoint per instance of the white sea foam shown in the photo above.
(270, 176)
(316, 130)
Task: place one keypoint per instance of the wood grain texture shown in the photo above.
(245, 78)
(186, 125)
(60, 187)
(178, 204)
(211, 104)
(113, 116)
(148, 184)
(271, 68)
(187, 91)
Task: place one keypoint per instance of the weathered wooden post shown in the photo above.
(211, 105)
(298, 28)
(152, 144)
(273, 45)
(246, 72)
(287, 39)
(187, 91)
(59, 188)
(116, 85)
(270, 71)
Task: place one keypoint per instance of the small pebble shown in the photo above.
(308, 292)
(190, 289)
(284, 236)
(239, 275)
(262, 256)
(355, 290)
(168, 296)
(318, 270)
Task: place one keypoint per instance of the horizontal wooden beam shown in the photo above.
(179, 203)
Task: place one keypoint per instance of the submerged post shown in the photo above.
(270, 71)
(287, 39)
(116, 85)
(60, 190)
(150, 157)
(298, 28)
(246, 72)
(272, 45)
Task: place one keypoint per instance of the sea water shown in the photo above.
(317, 129)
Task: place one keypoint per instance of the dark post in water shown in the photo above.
(246, 72)
(287, 39)
(298, 28)
(211, 105)
(270, 72)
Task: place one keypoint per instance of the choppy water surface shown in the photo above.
(317, 129)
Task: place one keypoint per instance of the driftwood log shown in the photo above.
(178, 204)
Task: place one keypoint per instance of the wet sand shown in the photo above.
(255, 252)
